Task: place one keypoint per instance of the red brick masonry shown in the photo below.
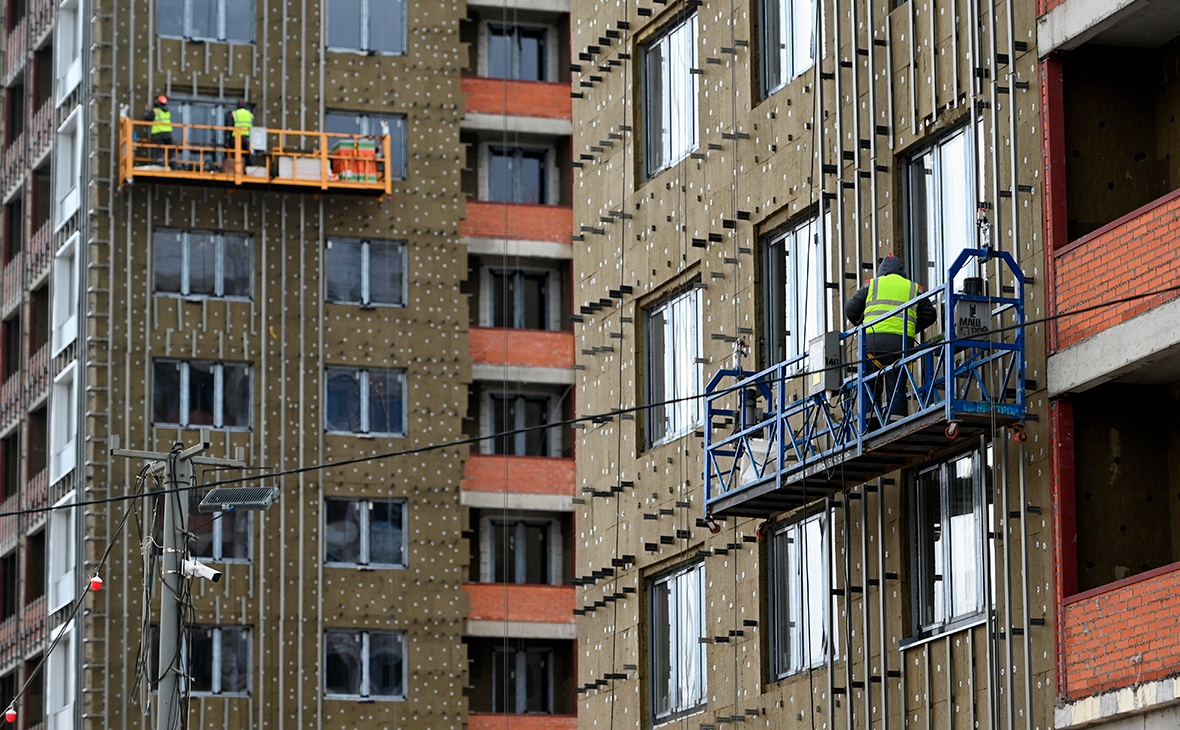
(1122, 634)
(516, 98)
(519, 474)
(506, 602)
(517, 221)
(532, 348)
(488, 721)
(1135, 254)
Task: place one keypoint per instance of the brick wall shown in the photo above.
(505, 602)
(1044, 6)
(1122, 634)
(518, 221)
(1135, 254)
(488, 721)
(519, 474)
(530, 348)
(516, 98)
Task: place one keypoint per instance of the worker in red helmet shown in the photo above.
(161, 129)
(888, 339)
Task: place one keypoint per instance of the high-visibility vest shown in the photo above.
(162, 122)
(886, 293)
(243, 120)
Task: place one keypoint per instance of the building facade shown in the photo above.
(337, 285)
(775, 532)
(1110, 98)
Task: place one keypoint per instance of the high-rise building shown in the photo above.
(788, 520)
(1110, 103)
(353, 246)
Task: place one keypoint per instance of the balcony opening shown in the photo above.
(1127, 485)
(514, 419)
(522, 547)
(16, 13)
(1122, 128)
(530, 294)
(12, 358)
(521, 676)
(528, 46)
(38, 441)
(42, 198)
(10, 570)
(40, 319)
(35, 568)
(43, 76)
(8, 688)
(34, 705)
(10, 468)
(14, 113)
(530, 169)
(14, 229)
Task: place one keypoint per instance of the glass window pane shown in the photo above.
(531, 54)
(957, 224)
(385, 401)
(529, 178)
(344, 25)
(536, 553)
(503, 422)
(200, 394)
(502, 299)
(964, 536)
(774, 44)
(343, 412)
(499, 52)
(202, 263)
(802, 36)
(926, 260)
(235, 660)
(661, 637)
(166, 392)
(690, 627)
(537, 677)
(536, 413)
(167, 261)
(199, 642)
(342, 531)
(238, 268)
(342, 663)
(813, 592)
(503, 680)
(385, 534)
(500, 174)
(235, 409)
(534, 294)
(387, 26)
(781, 597)
(385, 665)
(386, 273)
(235, 535)
(343, 272)
(658, 363)
(930, 546)
(655, 111)
(204, 18)
(201, 527)
(503, 552)
(343, 122)
(170, 17)
(239, 21)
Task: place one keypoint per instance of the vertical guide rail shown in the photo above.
(1001, 461)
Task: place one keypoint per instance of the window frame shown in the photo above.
(215, 659)
(220, 238)
(398, 129)
(520, 693)
(61, 679)
(366, 272)
(488, 547)
(62, 561)
(553, 436)
(223, 24)
(656, 405)
(983, 520)
(677, 710)
(548, 50)
(797, 605)
(64, 307)
(550, 305)
(364, 547)
(366, 31)
(653, 165)
(67, 169)
(782, 291)
(921, 263)
(185, 406)
(63, 423)
(218, 521)
(549, 187)
(768, 33)
(363, 376)
(366, 662)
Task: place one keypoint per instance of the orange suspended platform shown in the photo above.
(296, 161)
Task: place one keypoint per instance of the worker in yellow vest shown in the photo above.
(161, 129)
(887, 340)
(241, 119)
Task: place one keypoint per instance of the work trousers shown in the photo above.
(883, 350)
(162, 138)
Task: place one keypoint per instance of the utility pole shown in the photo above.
(177, 467)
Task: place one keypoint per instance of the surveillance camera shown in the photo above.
(196, 569)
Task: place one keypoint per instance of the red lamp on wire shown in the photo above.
(96, 583)
(10, 714)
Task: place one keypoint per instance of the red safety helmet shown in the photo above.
(162, 99)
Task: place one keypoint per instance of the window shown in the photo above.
(61, 681)
(10, 568)
(68, 44)
(940, 207)
(521, 551)
(368, 273)
(375, 125)
(231, 21)
(65, 294)
(63, 423)
(375, 26)
(676, 623)
(201, 393)
(218, 536)
(518, 175)
(953, 519)
(673, 366)
(364, 664)
(365, 532)
(216, 659)
(202, 264)
(794, 290)
(517, 52)
(670, 96)
(522, 680)
(518, 412)
(62, 554)
(799, 595)
(520, 299)
(67, 155)
(365, 401)
(788, 41)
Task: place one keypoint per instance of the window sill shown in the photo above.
(194, 39)
(357, 434)
(360, 698)
(960, 624)
(677, 716)
(366, 305)
(230, 429)
(198, 298)
(652, 174)
(363, 51)
(364, 567)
